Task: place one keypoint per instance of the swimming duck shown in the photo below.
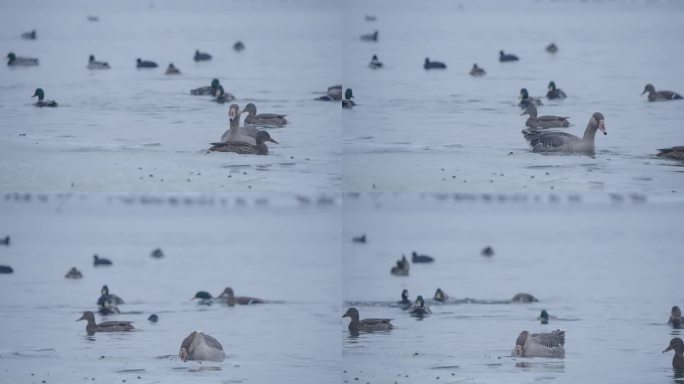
(523, 298)
(359, 239)
(440, 296)
(221, 96)
(402, 267)
(348, 103)
(503, 57)
(551, 48)
(371, 18)
(201, 56)
(107, 304)
(145, 64)
(263, 119)
(678, 345)
(370, 37)
(543, 122)
(375, 63)
(544, 141)
(5, 241)
(334, 94)
(419, 308)
(405, 303)
(526, 100)
(676, 153)
(29, 35)
(654, 95)
(238, 46)
(43, 103)
(544, 317)
(172, 70)
(676, 317)
(157, 253)
(555, 93)
(74, 274)
(200, 346)
(153, 318)
(204, 297)
(94, 64)
(242, 134)
(209, 90)
(487, 251)
(540, 344)
(6, 269)
(100, 261)
(229, 297)
(105, 326)
(433, 64)
(477, 71)
(416, 258)
(14, 60)
(243, 148)
(366, 325)
(106, 296)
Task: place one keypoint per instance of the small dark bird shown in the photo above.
(348, 101)
(419, 309)
(238, 46)
(5, 241)
(204, 297)
(201, 56)
(157, 253)
(6, 269)
(375, 63)
(523, 298)
(554, 93)
(503, 57)
(477, 71)
(551, 48)
(544, 317)
(370, 37)
(359, 239)
(433, 64)
(405, 303)
(440, 295)
(153, 318)
(676, 319)
(100, 261)
(416, 258)
(488, 251)
(29, 35)
(145, 64)
(74, 274)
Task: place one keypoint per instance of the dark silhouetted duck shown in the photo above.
(229, 298)
(503, 57)
(551, 141)
(654, 95)
(94, 64)
(375, 63)
(172, 70)
(477, 71)
(544, 317)
(204, 298)
(40, 94)
(678, 345)
(543, 122)
(107, 303)
(487, 251)
(540, 344)
(419, 308)
(100, 261)
(371, 18)
(17, 61)
(334, 94)
(551, 48)
(440, 296)
(145, 64)
(29, 35)
(238, 46)
(6, 269)
(201, 56)
(263, 119)
(416, 258)
(405, 303)
(676, 153)
(199, 346)
(523, 298)
(555, 93)
(105, 326)
(366, 325)
(243, 148)
(359, 239)
(402, 267)
(348, 101)
(74, 274)
(433, 64)
(370, 36)
(222, 96)
(209, 90)
(526, 100)
(153, 318)
(5, 241)
(157, 253)
(676, 317)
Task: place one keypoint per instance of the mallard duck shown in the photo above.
(540, 344)
(348, 103)
(554, 93)
(201, 56)
(654, 95)
(334, 94)
(678, 345)
(29, 35)
(477, 71)
(74, 274)
(105, 326)
(94, 64)
(366, 325)
(17, 61)
(419, 308)
(263, 119)
(97, 260)
(676, 319)
(359, 239)
(375, 63)
(551, 48)
(199, 346)
(370, 36)
(676, 153)
(523, 298)
(229, 298)
(405, 303)
(543, 122)
(209, 90)
(503, 57)
(40, 94)
(440, 296)
(416, 258)
(238, 46)
(487, 251)
(544, 141)
(526, 100)
(402, 268)
(157, 253)
(221, 96)
(172, 70)
(433, 64)
(243, 148)
(145, 64)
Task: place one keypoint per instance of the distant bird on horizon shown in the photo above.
(433, 64)
(201, 56)
(97, 261)
(551, 48)
(477, 71)
(503, 57)
(370, 37)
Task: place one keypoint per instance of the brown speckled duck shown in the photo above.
(366, 325)
(654, 95)
(676, 153)
(229, 297)
(678, 345)
(543, 122)
(263, 119)
(105, 326)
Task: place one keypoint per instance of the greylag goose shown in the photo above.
(477, 71)
(676, 317)
(40, 94)
(503, 57)
(94, 64)
(554, 93)
(229, 297)
(526, 100)
(678, 345)
(14, 60)
(543, 122)
(236, 133)
(105, 326)
(366, 325)
(676, 153)
(523, 298)
(552, 48)
(654, 95)
(544, 141)
(199, 346)
(540, 344)
(433, 64)
(263, 119)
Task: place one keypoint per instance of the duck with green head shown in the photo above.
(419, 309)
(221, 96)
(405, 303)
(208, 90)
(40, 94)
(527, 100)
(348, 102)
(554, 93)
(243, 148)
(17, 61)
(440, 296)
(263, 119)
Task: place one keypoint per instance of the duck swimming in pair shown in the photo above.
(526, 100)
(263, 119)
(654, 95)
(416, 258)
(40, 94)
(18, 61)
(551, 48)
(348, 101)
(676, 153)
(208, 90)
(97, 260)
(678, 345)
(236, 133)
(222, 97)
(94, 64)
(334, 94)
(477, 71)
(440, 296)
(145, 64)
(172, 70)
(200, 346)
(419, 309)
(523, 298)
(74, 274)
(229, 297)
(540, 344)
(29, 35)
(370, 37)
(105, 326)
(238, 46)
(433, 64)
(503, 57)
(554, 93)
(405, 303)
(545, 141)
(375, 63)
(201, 56)
(243, 148)
(543, 122)
(676, 320)
(357, 326)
